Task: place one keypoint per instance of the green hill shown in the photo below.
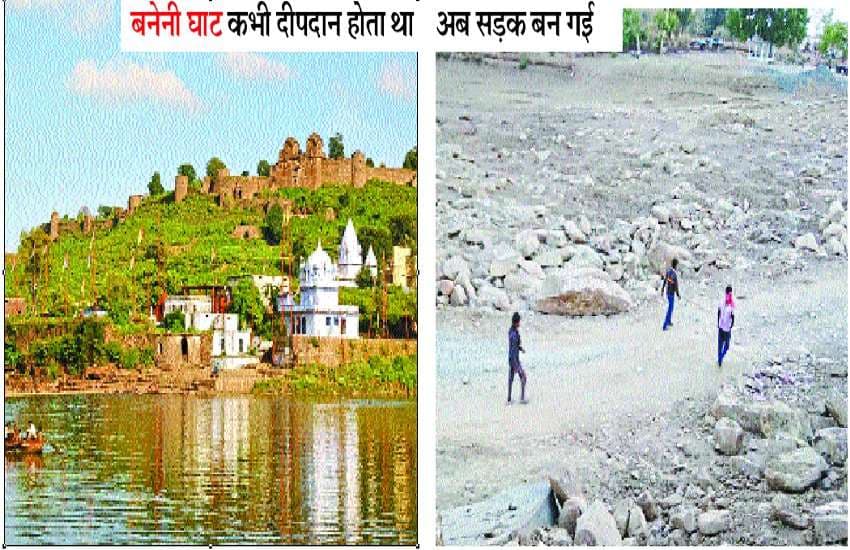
(193, 242)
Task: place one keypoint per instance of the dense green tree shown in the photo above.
(403, 228)
(273, 224)
(155, 185)
(834, 39)
(248, 304)
(213, 166)
(666, 21)
(33, 251)
(189, 171)
(633, 29)
(411, 161)
(264, 168)
(174, 322)
(336, 150)
(379, 238)
(105, 212)
(712, 19)
(369, 162)
(778, 27)
(364, 278)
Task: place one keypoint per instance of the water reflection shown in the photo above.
(146, 469)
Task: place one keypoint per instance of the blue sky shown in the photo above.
(88, 125)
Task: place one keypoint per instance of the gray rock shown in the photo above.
(684, 518)
(445, 287)
(806, 242)
(728, 436)
(573, 232)
(583, 257)
(621, 515)
(637, 527)
(458, 297)
(596, 527)
(495, 297)
(831, 443)
(748, 466)
(836, 406)
(713, 522)
(454, 266)
(582, 292)
(661, 254)
(783, 510)
(796, 471)
(527, 243)
(647, 506)
(660, 213)
(831, 523)
(501, 267)
(572, 509)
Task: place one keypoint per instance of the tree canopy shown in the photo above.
(155, 185)
(778, 27)
(411, 161)
(273, 224)
(213, 166)
(187, 170)
(336, 150)
(263, 168)
(834, 39)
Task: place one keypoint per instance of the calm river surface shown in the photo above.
(224, 469)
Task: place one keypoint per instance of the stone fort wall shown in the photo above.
(309, 169)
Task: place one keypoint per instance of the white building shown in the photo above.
(320, 313)
(187, 304)
(227, 339)
(350, 258)
(371, 262)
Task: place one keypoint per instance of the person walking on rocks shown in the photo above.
(514, 347)
(671, 284)
(725, 322)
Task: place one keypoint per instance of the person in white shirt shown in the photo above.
(725, 322)
(32, 433)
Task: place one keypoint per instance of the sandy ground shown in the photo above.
(585, 374)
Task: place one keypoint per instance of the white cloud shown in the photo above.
(397, 81)
(128, 82)
(254, 67)
(82, 15)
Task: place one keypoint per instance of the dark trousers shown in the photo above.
(518, 370)
(723, 340)
(668, 320)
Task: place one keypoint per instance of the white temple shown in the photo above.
(371, 262)
(320, 313)
(350, 256)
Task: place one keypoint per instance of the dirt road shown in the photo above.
(601, 373)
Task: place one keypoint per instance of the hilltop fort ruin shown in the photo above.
(308, 169)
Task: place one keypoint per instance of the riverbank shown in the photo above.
(378, 377)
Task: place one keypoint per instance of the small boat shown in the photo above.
(15, 444)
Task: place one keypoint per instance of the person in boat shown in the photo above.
(32, 433)
(8, 432)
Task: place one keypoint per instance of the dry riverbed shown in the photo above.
(603, 176)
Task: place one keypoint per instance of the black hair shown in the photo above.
(515, 318)
(728, 289)
(674, 263)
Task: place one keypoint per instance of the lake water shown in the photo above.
(224, 469)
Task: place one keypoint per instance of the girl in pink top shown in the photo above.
(725, 322)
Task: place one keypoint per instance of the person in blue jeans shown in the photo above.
(725, 322)
(515, 368)
(671, 284)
